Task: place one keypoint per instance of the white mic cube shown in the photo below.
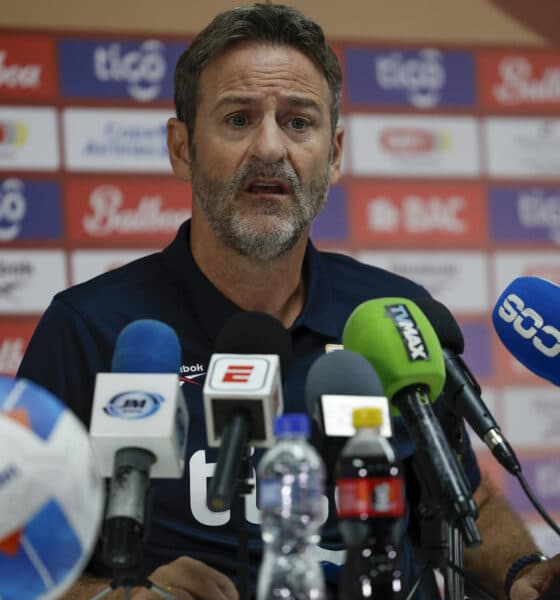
(140, 410)
(243, 383)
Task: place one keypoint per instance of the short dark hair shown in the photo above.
(269, 23)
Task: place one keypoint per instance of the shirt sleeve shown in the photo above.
(63, 356)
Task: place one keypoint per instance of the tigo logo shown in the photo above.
(29, 210)
(13, 133)
(238, 374)
(423, 78)
(142, 70)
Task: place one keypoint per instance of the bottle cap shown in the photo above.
(291, 424)
(367, 417)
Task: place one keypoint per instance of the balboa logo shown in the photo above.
(25, 77)
(134, 405)
(13, 208)
(529, 324)
(143, 69)
(410, 334)
(109, 217)
(413, 140)
(518, 84)
(422, 77)
(13, 133)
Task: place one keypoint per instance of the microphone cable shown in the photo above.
(539, 507)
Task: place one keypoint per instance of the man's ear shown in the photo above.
(178, 148)
(336, 158)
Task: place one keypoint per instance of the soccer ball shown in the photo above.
(51, 498)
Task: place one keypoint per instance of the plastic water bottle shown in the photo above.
(290, 484)
(371, 504)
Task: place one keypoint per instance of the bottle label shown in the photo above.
(371, 497)
(275, 493)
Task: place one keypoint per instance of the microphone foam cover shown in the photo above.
(147, 346)
(341, 372)
(254, 332)
(527, 320)
(395, 336)
(444, 324)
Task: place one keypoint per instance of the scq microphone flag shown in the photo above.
(527, 320)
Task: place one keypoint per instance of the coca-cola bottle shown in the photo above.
(371, 504)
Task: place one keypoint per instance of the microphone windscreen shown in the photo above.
(398, 340)
(254, 332)
(527, 320)
(444, 324)
(147, 346)
(341, 372)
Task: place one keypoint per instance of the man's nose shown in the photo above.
(268, 144)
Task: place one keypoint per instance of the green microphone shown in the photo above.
(395, 336)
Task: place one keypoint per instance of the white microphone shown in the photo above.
(242, 395)
(138, 430)
(243, 383)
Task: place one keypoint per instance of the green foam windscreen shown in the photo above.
(395, 336)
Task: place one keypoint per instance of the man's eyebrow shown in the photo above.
(293, 101)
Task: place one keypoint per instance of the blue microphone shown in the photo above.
(527, 320)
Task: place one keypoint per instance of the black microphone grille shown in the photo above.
(254, 332)
(444, 324)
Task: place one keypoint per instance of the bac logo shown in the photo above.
(238, 373)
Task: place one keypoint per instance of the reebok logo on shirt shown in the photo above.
(189, 373)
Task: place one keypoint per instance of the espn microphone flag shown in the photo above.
(527, 320)
(252, 382)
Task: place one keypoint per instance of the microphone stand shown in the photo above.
(455, 585)
(123, 540)
(231, 483)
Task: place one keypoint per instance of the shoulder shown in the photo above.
(116, 287)
(351, 275)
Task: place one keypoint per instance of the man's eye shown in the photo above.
(238, 120)
(298, 123)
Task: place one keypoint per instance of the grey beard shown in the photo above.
(217, 201)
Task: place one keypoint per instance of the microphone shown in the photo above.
(397, 339)
(336, 384)
(527, 322)
(138, 429)
(462, 393)
(242, 395)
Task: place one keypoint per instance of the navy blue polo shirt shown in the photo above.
(75, 338)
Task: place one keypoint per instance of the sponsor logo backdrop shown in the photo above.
(451, 176)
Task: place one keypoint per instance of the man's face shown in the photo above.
(263, 154)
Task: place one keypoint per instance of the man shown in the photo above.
(257, 99)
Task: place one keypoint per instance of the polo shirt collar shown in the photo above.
(212, 309)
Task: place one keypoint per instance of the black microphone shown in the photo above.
(243, 394)
(336, 384)
(462, 393)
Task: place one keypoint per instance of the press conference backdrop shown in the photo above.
(451, 176)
